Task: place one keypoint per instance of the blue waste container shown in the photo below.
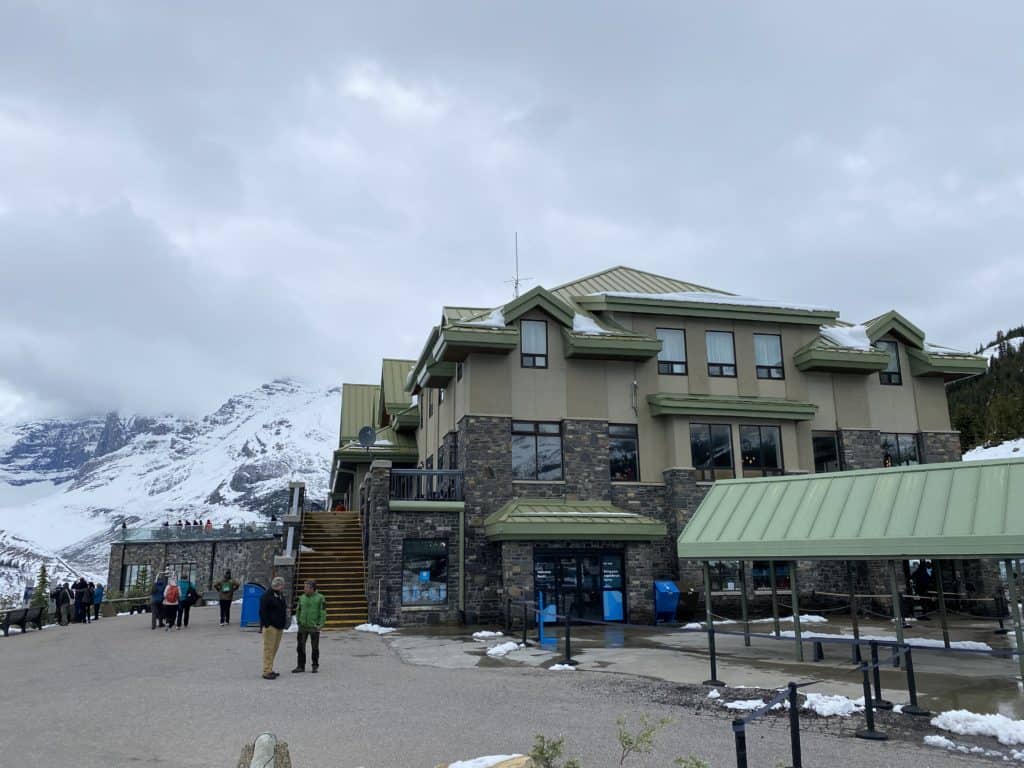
(666, 600)
(251, 594)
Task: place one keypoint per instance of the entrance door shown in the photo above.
(582, 585)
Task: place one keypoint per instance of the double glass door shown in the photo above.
(582, 585)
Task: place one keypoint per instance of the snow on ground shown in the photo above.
(1010, 449)
(832, 706)
(375, 629)
(714, 694)
(562, 668)
(483, 762)
(933, 740)
(808, 619)
(746, 705)
(965, 723)
(917, 642)
(503, 649)
(486, 634)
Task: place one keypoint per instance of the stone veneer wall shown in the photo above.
(585, 460)
(939, 447)
(861, 448)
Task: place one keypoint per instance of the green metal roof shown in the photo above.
(949, 365)
(961, 509)
(393, 376)
(358, 409)
(554, 519)
(626, 279)
(822, 354)
(390, 445)
(677, 404)
(893, 322)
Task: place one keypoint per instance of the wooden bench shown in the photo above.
(22, 618)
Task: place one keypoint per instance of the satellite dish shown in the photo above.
(367, 437)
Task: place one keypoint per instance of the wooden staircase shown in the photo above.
(336, 565)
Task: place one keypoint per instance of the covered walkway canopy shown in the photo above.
(555, 519)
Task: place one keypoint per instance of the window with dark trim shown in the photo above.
(623, 453)
(721, 349)
(761, 450)
(761, 575)
(711, 446)
(536, 450)
(826, 452)
(899, 450)
(725, 575)
(424, 572)
(768, 356)
(672, 357)
(891, 375)
(533, 341)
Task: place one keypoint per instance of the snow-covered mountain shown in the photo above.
(65, 486)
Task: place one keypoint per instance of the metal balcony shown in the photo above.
(426, 484)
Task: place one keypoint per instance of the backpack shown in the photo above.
(172, 593)
(192, 597)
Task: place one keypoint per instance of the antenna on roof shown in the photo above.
(517, 280)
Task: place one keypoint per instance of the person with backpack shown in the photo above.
(311, 615)
(156, 601)
(226, 589)
(97, 598)
(172, 597)
(187, 598)
(273, 620)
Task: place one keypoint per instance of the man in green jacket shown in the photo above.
(310, 616)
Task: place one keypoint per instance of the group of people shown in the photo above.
(191, 524)
(83, 598)
(171, 601)
(310, 616)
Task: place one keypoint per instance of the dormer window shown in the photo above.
(891, 375)
(533, 341)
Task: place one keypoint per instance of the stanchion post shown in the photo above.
(775, 598)
(794, 727)
(1011, 581)
(937, 565)
(880, 703)
(568, 640)
(739, 729)
(897, 611)
(709, 619)
(525, 622)
(508, 615)
(912, 708)
(795, 594)
(869, 732)
(855, 647)
(744, 608)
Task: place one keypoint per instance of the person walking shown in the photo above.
(187, 595)
(89, 595)
(310, 616)
(97, 599)
(226, 589)
(172, 598)
(156, 601)
(273, 620)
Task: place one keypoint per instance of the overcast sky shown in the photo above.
(198, 197)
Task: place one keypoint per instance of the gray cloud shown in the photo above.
(198, 198)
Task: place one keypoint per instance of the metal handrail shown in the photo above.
(427, 484)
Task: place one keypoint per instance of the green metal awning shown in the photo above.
(554, 519)
(675, 404)
(962, 509)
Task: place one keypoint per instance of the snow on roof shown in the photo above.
(494, 320)
(938, 349)
(850, 337)
(587, 326)
(704, 297)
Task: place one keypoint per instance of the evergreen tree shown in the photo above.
(41, 595)
(142, 584)
(990, 407)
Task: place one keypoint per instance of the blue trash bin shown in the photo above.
(666, 600)
(251, 594)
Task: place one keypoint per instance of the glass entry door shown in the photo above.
(583, 585)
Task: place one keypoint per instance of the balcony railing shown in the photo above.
(426, 484)
(199, 533)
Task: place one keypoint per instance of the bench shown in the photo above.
(22, 618)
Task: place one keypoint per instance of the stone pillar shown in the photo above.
(861, 448)
(939, 447)
(380, 576)
(517, 576)
(683, 495)
(585, 459)
(640, 582)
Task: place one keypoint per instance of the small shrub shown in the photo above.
(641, 742)
(547, 753)
(690, 761)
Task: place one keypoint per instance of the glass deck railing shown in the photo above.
(200, 533)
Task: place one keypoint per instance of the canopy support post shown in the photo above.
(897, 609)
(709, 619)
(775, 598)
(1011, 581)
(744, 607)
(852, 578)
(942, 602)
(795, 589)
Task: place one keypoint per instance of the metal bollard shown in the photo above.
(568, 641)
(714, 681)
(508, 616)
(819, 651)
(869, 733)
(912, 708)
(525, 623)
(794, 727)
(855, 657)
(880, 703)
(1001, 613)
(739, 728)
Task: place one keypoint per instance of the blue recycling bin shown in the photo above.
(251, 594)
(666, 601)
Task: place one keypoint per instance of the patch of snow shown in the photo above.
(832, 706)
(486, 634)
(993, 352)
(304, 548)
(587, 326)
(850, 337)
(810, 618)
(494, 320)
(1010, 449)
(746, 705)
(965, 723)
(898, 708)
(714, 694)
(562, 668)
(375, 629)
(503, 649)
(917, 642)
(483, 762)
(707, 297)
(938, 349)
(933, 740)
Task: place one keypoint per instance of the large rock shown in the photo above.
(514, 762)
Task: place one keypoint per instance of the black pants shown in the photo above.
(225, 611)
(156, 613)
(314, 638)
(183, 609)
(95, 610)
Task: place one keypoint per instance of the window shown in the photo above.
(768, 356)
(533, 339)
(826, 452)
(711, 445)
(672, 357)
(761, 450)
(181, 571)
(891, 374)
(721, 354)
(725, 575)
(458, 371)
(899, 450)
(135, 578)
(536, 450)
(424, 572)
(623, 454)
(761, 575)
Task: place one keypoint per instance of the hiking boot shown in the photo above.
(270, 676)
(276, 674)
(315, 669)
(298, 669)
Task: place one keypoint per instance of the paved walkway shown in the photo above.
(116, 693)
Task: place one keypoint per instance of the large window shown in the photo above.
(177, 571)
(761, 575)
(768, 356)
(899, 450)
(826, 452)
(725, 575)
(672, 357)
(424, 572)
(891, 374)
(624, 458)
(136, 578)
(536, 450)
(721, 354)
(762, 450)
(533, 338)
(711, 445)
